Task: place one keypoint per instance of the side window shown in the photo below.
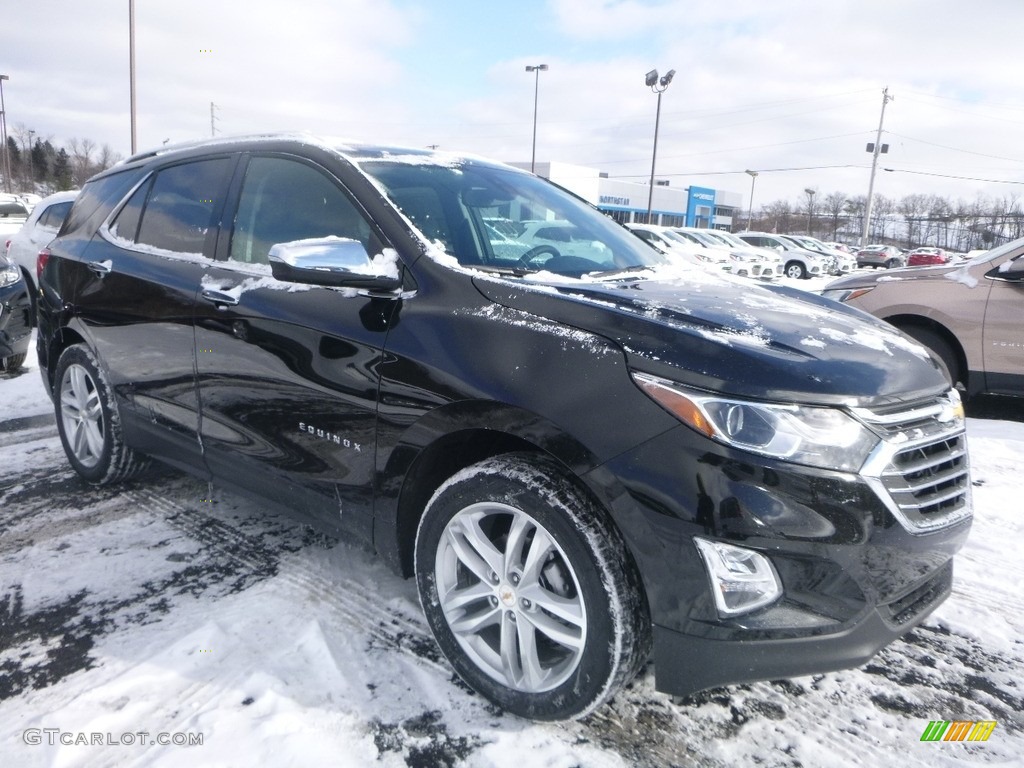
(177, 213)
(126, 225)
(54, 216)
(283, 200)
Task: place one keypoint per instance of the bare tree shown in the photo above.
(833, 205)
(106, 158)
(81, 159)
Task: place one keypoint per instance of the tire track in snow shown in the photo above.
(342, 598)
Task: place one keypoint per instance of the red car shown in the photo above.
(926, 257)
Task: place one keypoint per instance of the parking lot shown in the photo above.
(165, 608)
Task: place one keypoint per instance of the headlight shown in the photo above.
(846, 294)
(804, 434)
(9, 273)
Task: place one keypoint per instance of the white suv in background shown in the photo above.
(797, 262)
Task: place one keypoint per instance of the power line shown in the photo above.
(956, 149)
(949, 176)
(728, 173)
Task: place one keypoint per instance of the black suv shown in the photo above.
(578, 453)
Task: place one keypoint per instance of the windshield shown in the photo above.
(496, 218)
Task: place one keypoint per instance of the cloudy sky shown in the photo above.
(789, 88)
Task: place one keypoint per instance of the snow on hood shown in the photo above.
(732, 336)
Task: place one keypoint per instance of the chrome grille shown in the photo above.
(921, 469)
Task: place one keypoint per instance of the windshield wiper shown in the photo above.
(514, 271)
(621, 271)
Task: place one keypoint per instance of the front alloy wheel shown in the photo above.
(529, 590)
(795, 270)
(511, 597)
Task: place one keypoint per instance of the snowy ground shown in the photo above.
(154, 608)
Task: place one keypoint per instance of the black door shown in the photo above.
(144, 270)
(288, 373)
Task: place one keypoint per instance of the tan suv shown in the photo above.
(970, 314)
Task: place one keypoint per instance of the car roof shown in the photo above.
(355, 151)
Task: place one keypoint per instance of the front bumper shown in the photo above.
(854, 578)
(712, 662)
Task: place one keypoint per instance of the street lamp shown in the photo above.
(3, 124)
(810, 209)
(31, 165)
(658, 86)
(536, 69)
(750, 213)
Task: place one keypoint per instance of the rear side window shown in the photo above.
(179, 210)
(98, 198)
(54, 216)
(12, 210)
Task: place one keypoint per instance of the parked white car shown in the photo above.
(844, 262)
(38, 230)
(668, 243)
(747, 260)
(35, 232)
(797, 262)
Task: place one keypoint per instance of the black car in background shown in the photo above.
(15, 316)
(579, 455)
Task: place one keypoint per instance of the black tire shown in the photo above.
(580, 568)
(941, 349)
(14, 362)
(88, 421)
(892, 264)
(795, 270)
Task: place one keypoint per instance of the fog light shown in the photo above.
(742, 580)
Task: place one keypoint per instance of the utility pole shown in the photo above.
(875, 149)
(213, 129)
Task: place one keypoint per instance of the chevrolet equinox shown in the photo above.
(585, 458)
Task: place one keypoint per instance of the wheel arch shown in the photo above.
(452, 438)
(905, 321)
(55, 346)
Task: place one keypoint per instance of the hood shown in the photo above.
(866, 279)
(736, 337)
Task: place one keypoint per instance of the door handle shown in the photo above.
(100, 268)
(219, 298)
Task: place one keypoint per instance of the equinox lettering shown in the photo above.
(330, 437)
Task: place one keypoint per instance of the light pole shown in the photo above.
(31, 165)
(3, 124)
(658, 86)
(131, 66)
(536, 69)
(810, 209)
(750, 213)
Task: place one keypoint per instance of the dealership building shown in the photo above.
(626, 201)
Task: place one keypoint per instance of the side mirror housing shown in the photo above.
(1008, 272)
(335, 261)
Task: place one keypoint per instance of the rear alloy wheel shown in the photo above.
(796, 270)
(88, 421)
(528, 589)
